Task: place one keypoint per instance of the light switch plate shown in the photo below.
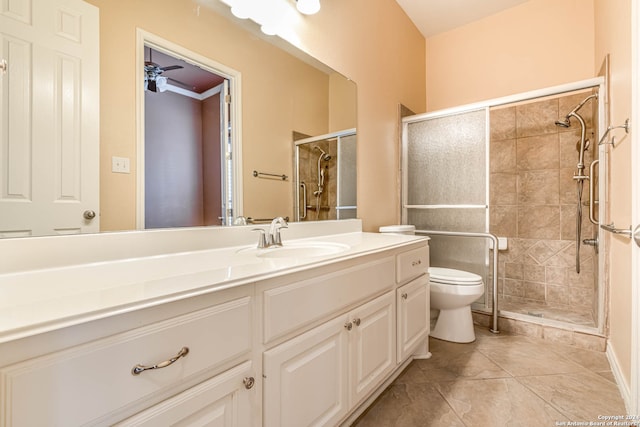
(120, 165)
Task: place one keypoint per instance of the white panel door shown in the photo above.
(372, 345)
(49, 117)
(305, 380)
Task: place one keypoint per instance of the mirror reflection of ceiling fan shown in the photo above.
(155, 81)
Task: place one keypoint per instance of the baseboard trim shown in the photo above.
(625, 391)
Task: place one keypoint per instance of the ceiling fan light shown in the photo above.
(308, 7)
(161, 83)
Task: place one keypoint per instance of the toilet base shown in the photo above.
(455, 325)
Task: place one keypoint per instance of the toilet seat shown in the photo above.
(450, 276)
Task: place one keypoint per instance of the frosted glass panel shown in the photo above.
(463, 253)
(347, 171)
(446, 160)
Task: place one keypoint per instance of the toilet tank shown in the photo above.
(398, 229)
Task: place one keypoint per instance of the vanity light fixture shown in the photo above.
(308, 7)
(241, 9)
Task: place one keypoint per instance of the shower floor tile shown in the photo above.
(581, 318)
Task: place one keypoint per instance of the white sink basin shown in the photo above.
(298, 250)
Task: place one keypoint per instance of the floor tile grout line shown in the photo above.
(561, 411)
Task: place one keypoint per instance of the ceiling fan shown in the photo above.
(153, 78)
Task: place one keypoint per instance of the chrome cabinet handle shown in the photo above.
(415, 263)
(356, 321)
(4, 67)
(138, 369)
(348, 326)
(88, 214)
(248, 382)
(405, 296)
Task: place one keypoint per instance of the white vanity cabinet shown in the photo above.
(93, 383)
(413, 316)
(331, 342)
(226, 400)
(317, 377)
(413, 301)
(282, 343)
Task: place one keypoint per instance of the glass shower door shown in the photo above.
(445, 186)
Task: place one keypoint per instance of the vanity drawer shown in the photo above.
(84, 384)
(290, 307)
(412, 264)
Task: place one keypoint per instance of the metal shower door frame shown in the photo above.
(596, 82)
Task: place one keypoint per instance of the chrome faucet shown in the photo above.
(273, 238)
(274, 231)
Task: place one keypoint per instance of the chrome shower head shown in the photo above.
(565, 123)
(324, 156)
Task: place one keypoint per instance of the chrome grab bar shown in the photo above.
(611, 228)
(592, 201)
(304, 200)
(494, 308)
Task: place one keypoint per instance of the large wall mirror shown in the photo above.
(286, 96)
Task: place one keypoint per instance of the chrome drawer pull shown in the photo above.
(416, 263)
(138, 369)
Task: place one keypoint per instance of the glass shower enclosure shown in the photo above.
(508, 167)
(325, 177)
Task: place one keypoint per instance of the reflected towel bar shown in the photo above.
(262, 220)
(273, 175)
(494, 238)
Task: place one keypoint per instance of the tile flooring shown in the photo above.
(499, 380)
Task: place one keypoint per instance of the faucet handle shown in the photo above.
(262, 239)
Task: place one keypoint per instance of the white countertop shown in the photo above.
(37, 300)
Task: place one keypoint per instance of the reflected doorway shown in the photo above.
(187, 173)
(184, 150)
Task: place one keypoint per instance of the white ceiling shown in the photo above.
(436, 16)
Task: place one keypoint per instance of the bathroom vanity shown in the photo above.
(182, 327)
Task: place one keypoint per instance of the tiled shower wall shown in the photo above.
(308, 170)
(533, 203)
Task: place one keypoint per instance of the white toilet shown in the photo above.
(452, 292)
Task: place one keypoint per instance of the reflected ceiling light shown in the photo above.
(308, 7)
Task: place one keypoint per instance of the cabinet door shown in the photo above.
(227, 400)
(305, 378)
(413, 316)
(371, 345)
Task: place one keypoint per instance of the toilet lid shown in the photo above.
(449, 276)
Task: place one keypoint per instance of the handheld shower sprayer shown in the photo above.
(582, 145)
(326, 157)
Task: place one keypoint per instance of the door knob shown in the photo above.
(636, 235)
(89, 214)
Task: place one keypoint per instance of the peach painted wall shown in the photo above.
(613, 36)
(537, 44)
(383, 52)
